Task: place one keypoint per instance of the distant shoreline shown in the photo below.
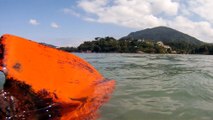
(137, 53)
(111, 45)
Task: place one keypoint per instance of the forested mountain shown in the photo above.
(161, 40)
(164, 34)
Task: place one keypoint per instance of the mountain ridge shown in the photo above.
(164, 34)
(158, 40)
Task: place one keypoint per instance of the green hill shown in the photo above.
(164, 34)
(147, 41)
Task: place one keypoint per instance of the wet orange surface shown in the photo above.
(71, 83)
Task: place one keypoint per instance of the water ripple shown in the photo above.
(157, 87)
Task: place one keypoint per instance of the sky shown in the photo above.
(70, 22)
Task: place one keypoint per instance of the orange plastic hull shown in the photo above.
(72, 83)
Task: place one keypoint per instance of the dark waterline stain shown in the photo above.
(19, 101)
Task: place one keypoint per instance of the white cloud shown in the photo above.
(202, 29)
(129, 13)
(164, 6)
(54, 25)
(33, 22)
(190, 16)
(71, 12)
(202, 8)
(134, 13)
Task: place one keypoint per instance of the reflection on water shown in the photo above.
(157, 87)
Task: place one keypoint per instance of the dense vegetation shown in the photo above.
(111, 45)
(203, 49)
(155, 40)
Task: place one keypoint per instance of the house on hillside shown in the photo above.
(160, 43)
(168, 48)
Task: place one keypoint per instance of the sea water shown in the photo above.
(157, 87)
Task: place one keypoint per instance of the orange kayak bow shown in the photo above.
(47, 83)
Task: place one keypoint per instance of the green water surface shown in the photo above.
(157, 87)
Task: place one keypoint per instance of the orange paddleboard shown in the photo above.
(47, 83)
